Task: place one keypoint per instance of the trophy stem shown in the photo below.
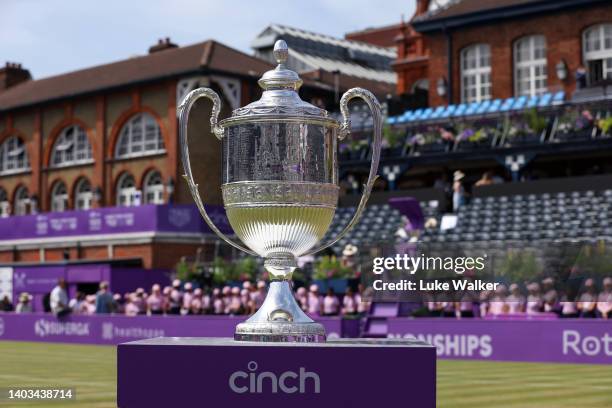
(280, 319)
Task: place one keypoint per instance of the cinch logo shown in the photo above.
(288, 382)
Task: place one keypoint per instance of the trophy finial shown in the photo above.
(281, 51)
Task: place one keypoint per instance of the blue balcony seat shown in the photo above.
(520, 103)
(472, 107)
(545, 100)
(507, 105)
(403, 118)
(559, 98)
(437, 112)
(416, 115)
(449, 111)
(426, 114)
(495, 106)
(483, 107)
(532, 102)
(460, 110)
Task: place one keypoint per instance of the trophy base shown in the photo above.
(280, 319)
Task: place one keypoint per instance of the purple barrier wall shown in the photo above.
(112, 220)
(559, 341)
(114, 329)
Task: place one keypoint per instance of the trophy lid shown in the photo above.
(280, 99)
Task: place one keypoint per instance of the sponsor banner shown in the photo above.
(112, 329)
(559, 341)
(112, 220)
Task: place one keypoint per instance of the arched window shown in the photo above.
(153, 188)
(5, 205)
(127, 193)
(13, 157)
(71, 147)
(598, 52)
(476, 73)
(83, 196)
(22, 201)
(140, 136)
(59, 197)
(530, 76)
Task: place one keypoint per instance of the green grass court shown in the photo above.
(91, 371)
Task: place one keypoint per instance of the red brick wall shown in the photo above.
(563, 32)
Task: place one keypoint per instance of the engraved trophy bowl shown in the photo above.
(280, 187)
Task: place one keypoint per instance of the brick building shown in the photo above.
(108, 136)
(475, 50)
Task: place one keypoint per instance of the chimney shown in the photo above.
(162, 44)
(12, 74)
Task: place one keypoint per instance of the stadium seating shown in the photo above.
(584, 216)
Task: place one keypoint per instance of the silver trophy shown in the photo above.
(280, 187)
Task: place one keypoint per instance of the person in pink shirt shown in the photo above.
(235, 304)
(363, 299)
(195, 308)
(258, 297)
(90, 305)
(302, 298)
(568, 305)
(550, 295)
(604, 300)
(166, 299)
(206, 303)
(315, 302)
(226, 294)
(515, 302)
(131, 309)
(187, 298)
(535, 304)
(498, 301)
(218, 306)
(176, 298)
(588, 300)
(349, 305)
(331, 304)
(245, 301)
(155, 301)
(141, 301)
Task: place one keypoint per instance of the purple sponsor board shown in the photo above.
(115, 329)
(227, 373)
(559, 341)
(112, 220)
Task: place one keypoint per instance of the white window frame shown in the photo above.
(71, 147)
(153, 188)
(22, 200)
(59, 197)
(478, 72)
(83, 195)
(603, 53)
(5, 204)
(127, 193)
(140, 136)
(531, 64)
(13, 156)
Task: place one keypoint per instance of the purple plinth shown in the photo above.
(220, 372)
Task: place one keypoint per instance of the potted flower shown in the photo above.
(574, 124)
(392, 142)
(525, 129)
(329, 272)
(434, 139)
(605, 126)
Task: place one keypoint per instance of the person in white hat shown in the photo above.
(140, 300)
(459, 194)
(515, 302)
(550, 295)
(176, 298)
(301, 295)
(535, 303)
(195, 308)
(258, 297)
(155, 301)
(131, 309)
(218, 306)
(187, 298)
(604, 300)
(24, 305)
(349, 303)
(349, 256)
(315, 301)
(588, 300)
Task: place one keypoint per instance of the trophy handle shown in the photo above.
(183, 112)
(345, 129)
